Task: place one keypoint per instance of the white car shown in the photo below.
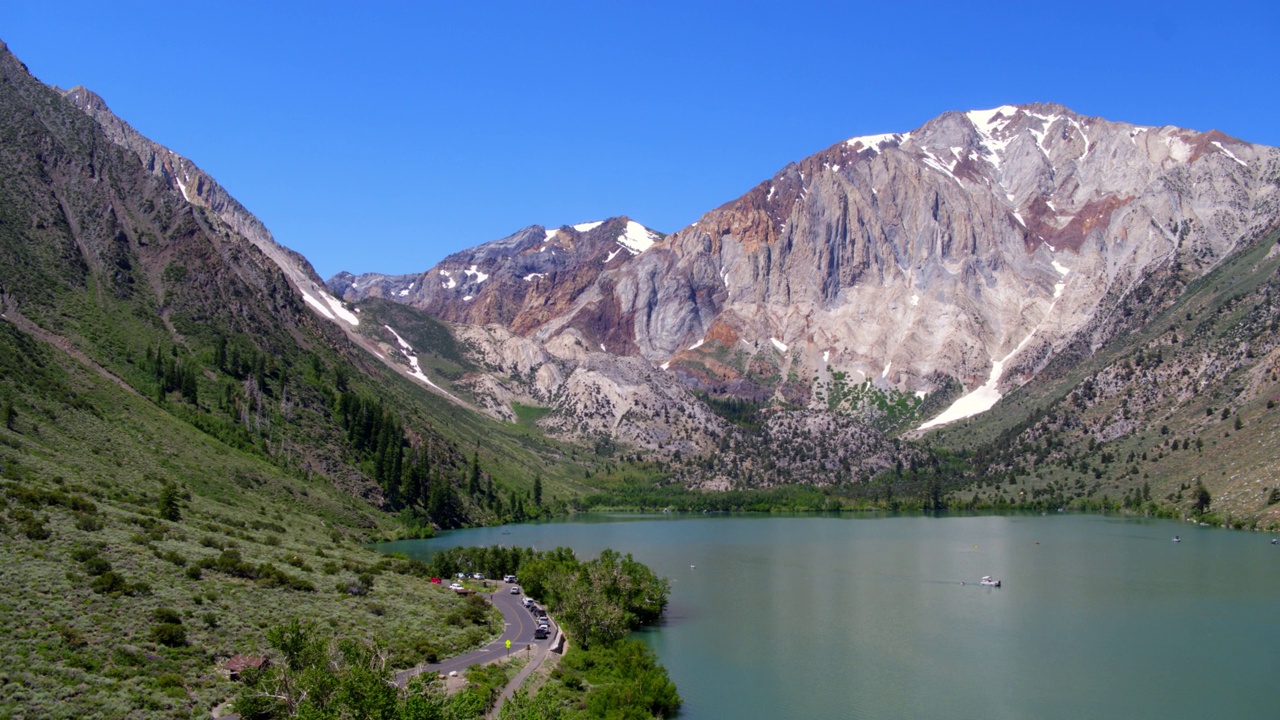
(515, 589)
(456, 586)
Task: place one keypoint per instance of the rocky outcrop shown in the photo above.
(198, 188)
(590, 394)
(537, 281)
(974, 247)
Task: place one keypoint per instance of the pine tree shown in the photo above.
(168, 506)
(1201, 498)
(473, 484)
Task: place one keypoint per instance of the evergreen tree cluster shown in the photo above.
(174, 373)
(410, 477)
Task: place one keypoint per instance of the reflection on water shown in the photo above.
(882, 616)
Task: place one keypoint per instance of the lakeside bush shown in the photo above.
(321, 676)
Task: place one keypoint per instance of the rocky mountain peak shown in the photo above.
(963, 253)
(524, 281)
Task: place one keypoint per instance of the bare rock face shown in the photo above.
(591, 394)
(200, 189)
(538, 280)
(948, 248)
(974, 247)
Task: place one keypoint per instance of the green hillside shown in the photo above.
(189, 455)
(1185, 393)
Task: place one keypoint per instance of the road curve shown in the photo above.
(519, 626)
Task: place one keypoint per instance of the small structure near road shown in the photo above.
(239, 663)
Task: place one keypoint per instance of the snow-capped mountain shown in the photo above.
(526, 282)
(964, 253)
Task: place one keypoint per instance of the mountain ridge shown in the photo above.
(989, 234)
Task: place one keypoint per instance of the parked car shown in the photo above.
(477, 576)
(541, 633)
(508, 578)
(455, 586)
(528, 601)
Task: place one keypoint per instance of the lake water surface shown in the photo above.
(867, 617)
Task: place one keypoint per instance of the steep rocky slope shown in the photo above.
(963, 253)
(127, 257)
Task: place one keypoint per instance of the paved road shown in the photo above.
(519, 625)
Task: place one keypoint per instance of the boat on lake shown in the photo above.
(989, 581)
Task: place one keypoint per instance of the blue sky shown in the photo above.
(384, 136)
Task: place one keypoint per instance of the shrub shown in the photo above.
(34, 529)
(166, 615)
(476, 610)
(110, 583)
(193, 572)
(169, 634)
(96, 566)
(425, 649)
(362, 585)
(71, 636)
(169, 680)
(174, 557)
(89, 523)
(83, 553)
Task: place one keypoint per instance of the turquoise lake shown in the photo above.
(882, 617)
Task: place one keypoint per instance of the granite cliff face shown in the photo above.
(965, 253)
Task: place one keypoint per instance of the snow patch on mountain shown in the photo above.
(989, 123)
(415, 369)
(637, 238)
(988, 394)
(1228, 153)
(327, 305)
(875, 143)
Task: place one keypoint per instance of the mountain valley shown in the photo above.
(1021, 307)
